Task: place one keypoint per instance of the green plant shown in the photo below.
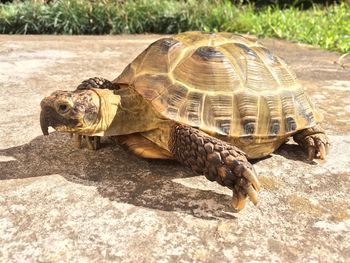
(327, 27)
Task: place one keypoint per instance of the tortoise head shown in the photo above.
(86, 112)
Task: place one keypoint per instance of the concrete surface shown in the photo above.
(60, 204)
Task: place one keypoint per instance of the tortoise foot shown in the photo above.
(314, 141)
(92, 142)
(218, 161)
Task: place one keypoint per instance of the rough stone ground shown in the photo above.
(60, 204)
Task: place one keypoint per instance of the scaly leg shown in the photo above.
(217, 160)
(314, 141)
(92, 142)
(76, 140)
(97, 83)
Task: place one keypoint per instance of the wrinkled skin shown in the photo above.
(65, 111)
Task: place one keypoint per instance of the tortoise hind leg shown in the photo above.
(314, 141)
(217, 160)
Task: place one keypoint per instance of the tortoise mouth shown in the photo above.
(50, 118)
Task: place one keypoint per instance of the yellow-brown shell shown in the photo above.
(222, 83)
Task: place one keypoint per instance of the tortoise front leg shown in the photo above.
(313, 140)
(92, 142)
(97, 83)
(217, 160)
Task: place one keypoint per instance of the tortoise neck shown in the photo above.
(134, 114)
(108, 104)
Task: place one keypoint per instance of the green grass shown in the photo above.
(327, 27)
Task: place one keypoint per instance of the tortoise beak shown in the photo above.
(46, 115)
(49, 117)
(44, 122)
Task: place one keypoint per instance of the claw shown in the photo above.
(311, 153)
(251, 177)
(253, 195)
(322, 151)
(77, 140)
(93, 142)
(327, 148)
(238, 200)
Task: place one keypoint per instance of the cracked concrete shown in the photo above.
(60, 204)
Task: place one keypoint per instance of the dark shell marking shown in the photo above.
(208, 53)
(167, 43)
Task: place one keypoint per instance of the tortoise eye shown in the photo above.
(63, 108)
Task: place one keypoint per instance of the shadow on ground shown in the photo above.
(119, 175)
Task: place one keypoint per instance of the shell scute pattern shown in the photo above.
(192, 108)
(152, 86)
(205, 70)
(218, 112)
(209, 53)
(223, 83)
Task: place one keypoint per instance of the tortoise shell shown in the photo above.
(221, 83)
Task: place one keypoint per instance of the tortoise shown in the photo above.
(212, 101)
